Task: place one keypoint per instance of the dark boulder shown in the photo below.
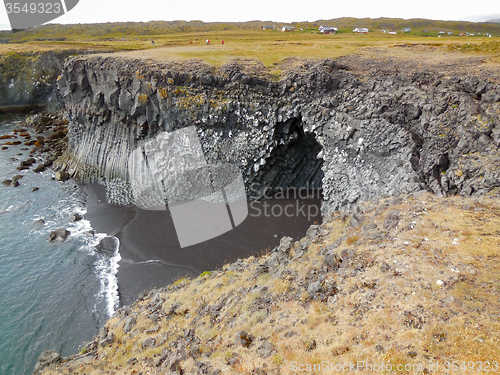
(75, 217)
(40, 168)
(46, 358)
(244, 339)
(62, 176)
(59, 235)
(314, 288)
(28, 163)
(332, 260)
(129, 324)
(108, 244)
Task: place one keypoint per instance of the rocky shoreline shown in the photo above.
(48, 143)
(48, 140)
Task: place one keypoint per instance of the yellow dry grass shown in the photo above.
(273, 47)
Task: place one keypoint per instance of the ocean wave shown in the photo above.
(107, 270)
(105, 263)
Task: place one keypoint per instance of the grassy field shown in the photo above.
(270, 47)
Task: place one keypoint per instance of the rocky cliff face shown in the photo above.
(324, 124)
(30, 78)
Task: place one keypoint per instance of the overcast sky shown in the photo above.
(91, 11)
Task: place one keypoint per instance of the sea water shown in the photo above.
(52, 295)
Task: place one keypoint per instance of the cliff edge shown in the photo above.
(357, 128)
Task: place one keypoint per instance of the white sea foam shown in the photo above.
(106, 269)
(106, 266)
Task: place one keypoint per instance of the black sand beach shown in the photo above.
(150, 251)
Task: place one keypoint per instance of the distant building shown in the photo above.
(287, 28)
(462, 34)
(267, 28)
(363, 30)
(407, 30)
(450, 32)
(327, 30)
(392, 32)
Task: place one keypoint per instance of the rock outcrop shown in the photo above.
(322, 125)
(29, 79)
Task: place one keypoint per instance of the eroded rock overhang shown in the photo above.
(322, 125)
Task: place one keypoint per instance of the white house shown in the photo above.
(327, 29)
(363, 30)
(287, 28)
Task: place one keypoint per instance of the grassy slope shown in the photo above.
(384, 305)
(246, 40)
(153, 28)
(271, 47)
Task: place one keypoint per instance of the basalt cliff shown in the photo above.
(356, 128)
(389, 283)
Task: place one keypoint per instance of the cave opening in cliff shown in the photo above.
(294, 167)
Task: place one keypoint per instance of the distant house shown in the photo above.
(267, 28)
(363, 30)
(450, 32)
(407, 30)
(441, 32)
(392, 32)
(287, 28)
(327, 30)
(462, 34)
